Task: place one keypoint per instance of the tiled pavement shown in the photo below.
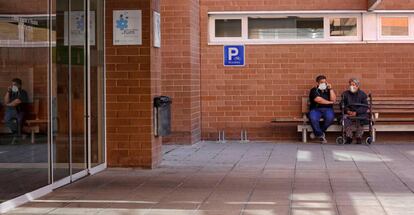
(252, 179)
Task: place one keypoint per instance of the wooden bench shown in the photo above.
(32, 122)
(392, 114)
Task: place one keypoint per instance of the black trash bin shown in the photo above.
(162, 116)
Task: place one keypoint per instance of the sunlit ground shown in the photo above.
(254, 179)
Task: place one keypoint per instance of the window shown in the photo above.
(228, 28)
(298, 27)
(343, 27)
(268, 28)
(23, 30)
(285, 28)
(394, 26)
(36, 30)
(9, 29)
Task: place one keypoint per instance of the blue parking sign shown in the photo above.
(234, 55)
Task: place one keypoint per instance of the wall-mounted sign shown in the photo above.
(127, 27)
(77, 28)
(234, 55)
(157, 29)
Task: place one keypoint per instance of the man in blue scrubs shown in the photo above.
(322, 98)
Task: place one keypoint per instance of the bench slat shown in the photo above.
(389, 119)
(392, 98)
(381, 128)
(393, 111)
(283, 120)
(388, 106)
(392, 102)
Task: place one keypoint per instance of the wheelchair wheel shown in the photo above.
(340, 140)
(369, 141)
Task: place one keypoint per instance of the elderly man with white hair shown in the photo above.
(355, 102)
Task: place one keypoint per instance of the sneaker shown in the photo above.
(323, 139)
(312, 136)
(348, 140)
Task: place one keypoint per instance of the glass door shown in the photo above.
(24, 73)
(69, 78)
(51, 93)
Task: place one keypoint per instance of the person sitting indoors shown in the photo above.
(14, 100)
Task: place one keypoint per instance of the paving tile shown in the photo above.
(266, 210)
(127, 211)
(361, 210)
(217, 212)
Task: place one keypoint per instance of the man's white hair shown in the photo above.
(355, 80)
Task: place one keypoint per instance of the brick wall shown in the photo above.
(396, 5)
(132, 81)
(23, 6)
(277, 76)
(181, 68)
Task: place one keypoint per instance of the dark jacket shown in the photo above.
(360, 97)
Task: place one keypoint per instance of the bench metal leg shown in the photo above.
(374, 135)
(32, 137)
(304, 135)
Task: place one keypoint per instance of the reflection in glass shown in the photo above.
(228, 28)
(36, 30)
(24, 101)
(9, 29)
(286, 28)
(394, 26)
(343, 27)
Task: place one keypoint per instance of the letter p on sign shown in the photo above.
(233, 52)
(234, 55)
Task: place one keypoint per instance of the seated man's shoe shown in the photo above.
(312, 136)
(323, 139)
(348, 140)
(359, 140)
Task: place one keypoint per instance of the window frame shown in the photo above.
(328, 36)
(212, 28)
(409, 37)
(244, 39)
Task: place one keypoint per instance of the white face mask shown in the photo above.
(353, 89)
(322, 86)
(15, 89)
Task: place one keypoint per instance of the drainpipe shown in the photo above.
(373, 4)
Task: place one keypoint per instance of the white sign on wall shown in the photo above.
(77, 28)
(127, 27)
(157, 29)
